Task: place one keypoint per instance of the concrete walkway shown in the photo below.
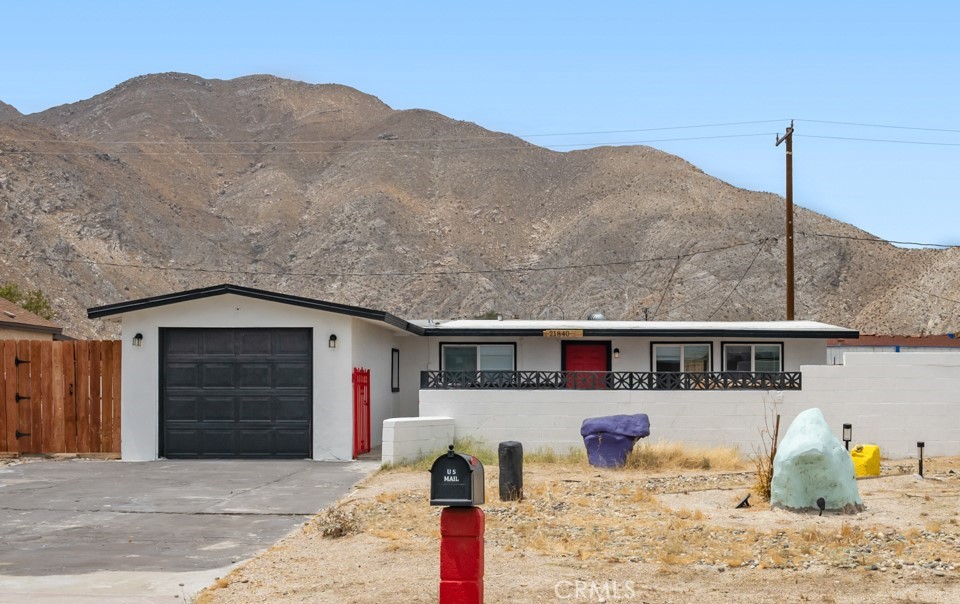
(110, 531)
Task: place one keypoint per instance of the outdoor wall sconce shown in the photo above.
(920, 454)
(333, 341)
(616, 353)
(847, 435)
(138, 339)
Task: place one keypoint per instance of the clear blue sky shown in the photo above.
(542, 68)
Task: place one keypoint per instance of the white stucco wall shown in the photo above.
(892, 401)
(371, 345)
(332, 386)
(410, 438)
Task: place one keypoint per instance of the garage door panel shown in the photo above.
(182, 342)
(289, 442)
(255, 409)
(219, 342)
(254, 343)
(292, 375)
(292, 343)
(290, 409)
(183, 440)
(257, 443)
(218, 408)
(237, 393)
(183, 407)
(218, 443)
(218, 375)
(255, 375)
(179, 375)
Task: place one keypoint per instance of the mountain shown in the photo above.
(8, 112)
(172, 181)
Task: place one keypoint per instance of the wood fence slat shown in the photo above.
(83, 396)
(56, 390)
(3, 400)
(24, 408)
(40, 422)
(93, 417)
(46, 397)
(118, 366)
(70, 396)
(106, 398)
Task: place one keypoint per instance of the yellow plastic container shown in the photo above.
(866, 460)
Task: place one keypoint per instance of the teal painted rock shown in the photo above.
(811, 463)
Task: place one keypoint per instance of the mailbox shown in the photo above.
(456, 480)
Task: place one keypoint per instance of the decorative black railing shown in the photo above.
(609, 380)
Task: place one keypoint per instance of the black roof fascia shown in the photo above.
(666, 333)
(249, 292)
(28, 327)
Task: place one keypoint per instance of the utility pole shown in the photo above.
(788, 137)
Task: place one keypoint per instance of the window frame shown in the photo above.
(653, 355)
(394, 370)
(753, 355)
(477, 344)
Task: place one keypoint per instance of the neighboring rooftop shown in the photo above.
(14, 316)
(948, 340)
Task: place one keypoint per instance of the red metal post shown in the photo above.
(461, 555)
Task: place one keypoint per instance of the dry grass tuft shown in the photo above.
(666, 455)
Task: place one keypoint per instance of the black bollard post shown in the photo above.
(511, 470)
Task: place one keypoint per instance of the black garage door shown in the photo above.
(235, 393)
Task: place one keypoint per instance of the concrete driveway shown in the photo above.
(110, 531)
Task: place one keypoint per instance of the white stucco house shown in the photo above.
(230, 371)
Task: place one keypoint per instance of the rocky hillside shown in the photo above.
(172, 181)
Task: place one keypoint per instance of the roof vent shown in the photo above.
(597, 316)
(9, 314)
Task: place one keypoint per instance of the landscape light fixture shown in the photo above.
(822, 504)
(332, 343)
(616, 353)
(847, 435)
(920, 455)
(138, 339)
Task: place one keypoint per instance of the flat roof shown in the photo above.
(515, 327)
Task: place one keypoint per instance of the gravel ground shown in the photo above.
(588, 535)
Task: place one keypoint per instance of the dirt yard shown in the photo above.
(588, 535)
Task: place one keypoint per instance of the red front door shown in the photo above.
(591, 361)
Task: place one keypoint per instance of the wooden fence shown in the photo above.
(59, 397)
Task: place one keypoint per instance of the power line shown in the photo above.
(878, 240)
(666, 286)
(891, 126)
(926, 293)
(739, 281)
(377, 274)
(392, 150)
(388, 141)
(879, 140)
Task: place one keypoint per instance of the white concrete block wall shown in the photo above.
(410, 438)
(892, 403)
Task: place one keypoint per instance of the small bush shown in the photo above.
(337, 522)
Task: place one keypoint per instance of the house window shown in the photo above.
(687, 358)
(394, 370)
(753, 357)
(477, 357)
